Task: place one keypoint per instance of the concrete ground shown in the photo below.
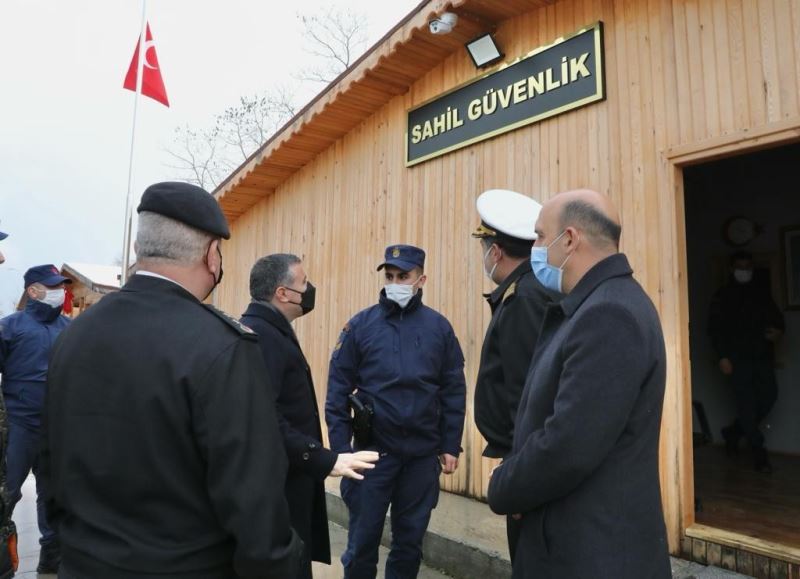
(468, 541)
(464, 537)
(25, 518)
(338, 542)
(28, 532)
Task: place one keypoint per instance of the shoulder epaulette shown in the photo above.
(232, 322)
(510, 291)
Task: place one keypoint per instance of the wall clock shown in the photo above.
(738, 231)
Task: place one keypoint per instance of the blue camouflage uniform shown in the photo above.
(408, 365)
(26, 338)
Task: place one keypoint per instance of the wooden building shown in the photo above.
(679, 83)
(90, 282)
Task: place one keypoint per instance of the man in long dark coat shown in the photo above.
(281, 293)
(582, 476)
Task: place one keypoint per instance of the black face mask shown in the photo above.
(217, 279)
(307, 298)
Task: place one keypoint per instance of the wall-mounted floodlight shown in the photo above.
(484, 50)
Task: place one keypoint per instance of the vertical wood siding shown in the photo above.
(676, 72)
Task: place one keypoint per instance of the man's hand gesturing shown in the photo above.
(350, 464)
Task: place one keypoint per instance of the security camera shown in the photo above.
(444, 24)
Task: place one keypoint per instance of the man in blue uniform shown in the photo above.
(26, 338)
(402, 361)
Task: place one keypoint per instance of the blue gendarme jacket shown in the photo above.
(408, 364)
(26, 339)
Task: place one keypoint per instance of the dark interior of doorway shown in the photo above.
(762, 187)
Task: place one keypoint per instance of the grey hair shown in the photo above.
(160, 238)
(270, 272)
(599, 227)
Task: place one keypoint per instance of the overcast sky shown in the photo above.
(65, 121)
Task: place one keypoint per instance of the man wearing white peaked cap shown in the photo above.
(518, 304)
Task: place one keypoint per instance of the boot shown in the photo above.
(761, 461)
(49, 558)
(731, 437)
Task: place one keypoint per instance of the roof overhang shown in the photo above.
(386, 70)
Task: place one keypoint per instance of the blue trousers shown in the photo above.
(22, 456)
(411, 486)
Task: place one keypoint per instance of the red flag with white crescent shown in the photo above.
(152, 83)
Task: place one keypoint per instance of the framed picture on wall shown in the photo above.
(790, 250)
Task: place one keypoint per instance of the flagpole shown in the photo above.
(126, 241)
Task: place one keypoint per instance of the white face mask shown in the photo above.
(400, 293)
(53, 298)
(489, 273)
(743, 275)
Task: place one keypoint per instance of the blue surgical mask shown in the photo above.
(548, 275)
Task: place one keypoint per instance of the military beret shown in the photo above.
(507, 214)
(188, 204)
(406, 257)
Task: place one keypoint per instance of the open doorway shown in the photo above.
(740, 208)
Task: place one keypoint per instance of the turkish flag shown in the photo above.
(68, 299)
(152, 83)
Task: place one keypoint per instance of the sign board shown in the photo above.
(549, 81)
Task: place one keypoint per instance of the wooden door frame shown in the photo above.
(741, 142)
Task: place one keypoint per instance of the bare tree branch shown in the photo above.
(207, 157)
(336, 36)
(194, 156)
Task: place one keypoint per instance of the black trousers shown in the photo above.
(512, 533)
(755, 391)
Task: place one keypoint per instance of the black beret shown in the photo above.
(188, 204)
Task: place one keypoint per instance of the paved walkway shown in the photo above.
(25, 517)
(469, 541)
(338, 542)
(28, 531)
(467, 526)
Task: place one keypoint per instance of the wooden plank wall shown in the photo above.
(738, 558)
(676, 72)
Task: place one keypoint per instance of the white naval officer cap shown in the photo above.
(507, 214)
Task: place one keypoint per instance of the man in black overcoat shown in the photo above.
(582, 476)
(281, 293)
(517, 303)
(162, 450)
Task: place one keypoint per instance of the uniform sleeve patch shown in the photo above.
(342, 337)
